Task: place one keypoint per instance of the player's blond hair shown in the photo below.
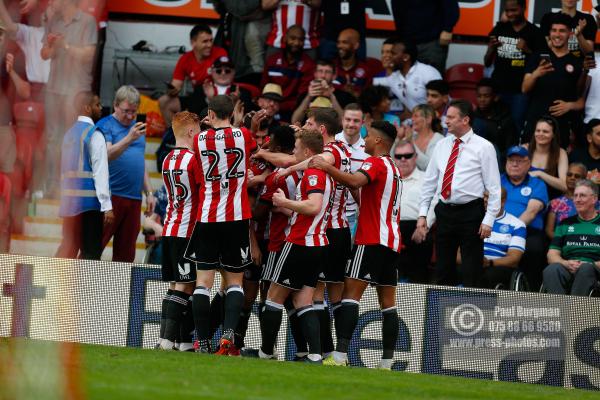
(183, 120)
(311, 139)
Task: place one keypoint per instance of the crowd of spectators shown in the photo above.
(280, 59)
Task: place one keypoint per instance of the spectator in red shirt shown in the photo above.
(193, 65)
(290, 68)
(352, 74)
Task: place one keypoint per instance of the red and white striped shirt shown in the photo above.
(181, 177)
(224, 158)
(341, 154)
(278, 222)
(306, 230)
(294, 12)
(379, 213)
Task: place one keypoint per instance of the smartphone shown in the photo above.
(545, 56)
(141, 118)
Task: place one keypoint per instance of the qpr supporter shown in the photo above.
(193, 65)
(85, 195)
(302, 257)
(574, 253)
(291, 68)
(221, 236)
(353, 75)
(502, 251)
(181, 177)
(377, 243)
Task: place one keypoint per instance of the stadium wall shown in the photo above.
(486, 334)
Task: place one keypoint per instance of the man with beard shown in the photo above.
(352, 74)
(291, 68)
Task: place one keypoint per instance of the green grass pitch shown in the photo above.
(131, 373)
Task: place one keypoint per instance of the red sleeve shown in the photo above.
(336, 155)
(370, 168)
(269, 188)
(179, 72)
(314, 181)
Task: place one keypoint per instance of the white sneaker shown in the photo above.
(264, 355)
(386, 363)
(166, 345)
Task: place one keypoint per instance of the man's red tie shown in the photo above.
(447, 182)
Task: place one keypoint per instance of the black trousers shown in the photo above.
(414, 258)
(82, 236)
(458, 226)
(534, 259)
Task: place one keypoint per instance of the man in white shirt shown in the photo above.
(408, 80)
(592, 101)
(416, 254)
(30, 41)
(463, 166)
(85, 203)
(352, 121)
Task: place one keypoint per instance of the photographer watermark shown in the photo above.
(489, 328)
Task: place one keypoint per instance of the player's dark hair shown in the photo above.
(464, 107)
(327, 117)
(329, 63)
(589, 127)
(386, 129)
(282, 136)
(311, 139)
(438, 85)
(199, 28)
(520, 3)
(372, 96)
(221, 105)
(561, 19)
(487, 82)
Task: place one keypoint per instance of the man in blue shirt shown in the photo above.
(126, 145)
(527, 198)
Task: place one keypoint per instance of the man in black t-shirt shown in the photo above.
(554, 81)
(509, 46)
(337, 16)
(582, 25)
(590, 156)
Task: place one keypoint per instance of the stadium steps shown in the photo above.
(42, 229)
(47, 246)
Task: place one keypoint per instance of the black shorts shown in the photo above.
(375, 264)
(215, 245)
(299, 266)
(267, 271)
(174, 267)
(253, 272)
(338, 254)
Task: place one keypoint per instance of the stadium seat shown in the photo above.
(462, 79)
(254, 91)
(5, 195)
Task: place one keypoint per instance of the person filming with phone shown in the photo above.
(554, 80)
(126, 143)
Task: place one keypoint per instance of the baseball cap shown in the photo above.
(517, 151)
(272, 91)
(223, 61)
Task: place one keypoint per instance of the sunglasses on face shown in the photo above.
(406, 156)
(223, 71)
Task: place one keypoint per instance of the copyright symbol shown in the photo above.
(466, 319)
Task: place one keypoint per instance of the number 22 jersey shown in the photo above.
(223, 157)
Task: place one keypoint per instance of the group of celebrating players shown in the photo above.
(225, 196)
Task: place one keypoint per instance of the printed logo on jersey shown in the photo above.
(312, 180)
(597, 230)
(366, 166)
(526, 191)
(571, 229)
(504, 228)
